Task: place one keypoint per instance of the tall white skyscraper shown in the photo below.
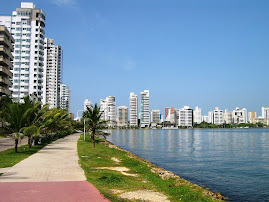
(185, 116)
(64, 97)
(52, 73)
(88, 104)
(133, 109)
(122, 116)
(239, 115)
(144, 109)
(108, 107)
(218, 116)
(265, 112)
(197, 115)
(103, 105)
(27, 26)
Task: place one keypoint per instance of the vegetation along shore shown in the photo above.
(122, 176)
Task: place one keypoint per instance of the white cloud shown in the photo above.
(129, 66)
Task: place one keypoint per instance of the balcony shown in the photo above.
(5, 81)
(5, 51)
(4, 91)
(5, 61)
(4, 70)
(4, 41)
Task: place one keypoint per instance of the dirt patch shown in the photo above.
(115, 160)
(144, 195)
(122, 170)
(116, 191)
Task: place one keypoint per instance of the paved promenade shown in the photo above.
(52, 174)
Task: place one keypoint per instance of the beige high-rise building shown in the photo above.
(251, 117)
(122, 116)
(228, 117)
(155, 117)
(6, 57)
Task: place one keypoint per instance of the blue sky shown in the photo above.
(197, 53)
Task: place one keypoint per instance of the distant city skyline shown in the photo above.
(186, 53)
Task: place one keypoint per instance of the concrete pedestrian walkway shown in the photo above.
(50, 174)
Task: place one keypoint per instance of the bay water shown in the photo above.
(234, 162)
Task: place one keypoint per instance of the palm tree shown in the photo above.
(55, 120)
(94, 122)
(18, 116)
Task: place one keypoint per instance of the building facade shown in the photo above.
(122, 116)
(144, 109)
(170, 115)
(265, 112)
(155, 117)
(87, 104)
(65, 97)
(6, 41)
(251, 117)
(218, 116)
(108, 107)
(27, 26)
(239, 115)
(133, 109)
(197, 115)
(185, 117)
(52, 73)
(228, 117)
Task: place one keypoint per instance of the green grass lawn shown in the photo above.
(9, 158)
(107, 180)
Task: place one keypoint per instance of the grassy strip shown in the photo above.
(9, 158)
(107, 180)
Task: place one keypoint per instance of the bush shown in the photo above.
(46, 138)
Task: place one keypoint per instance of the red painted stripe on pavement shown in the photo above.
(50, 191)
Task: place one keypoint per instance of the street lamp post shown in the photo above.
(83, 122)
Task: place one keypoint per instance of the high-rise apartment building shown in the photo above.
(239, 115)
(218, 116)
(155, 117)
(87, 104)
(108, 107)
(185, 116)
(170, 115)
(27, 26)
(210, 117)
(64, 97)
(265, 112)
(52, 73)
(144, 109)
(251, 117)
(228, 117)
(122, 116)
(6, 41)
(133, 109)
(197, 115)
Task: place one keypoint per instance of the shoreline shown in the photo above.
(165, 174)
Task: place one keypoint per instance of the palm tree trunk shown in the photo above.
(16, 145)
(93, 139)
(29, 142)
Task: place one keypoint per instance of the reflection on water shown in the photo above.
(234, 162)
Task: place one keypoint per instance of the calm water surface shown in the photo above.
(234, 162)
